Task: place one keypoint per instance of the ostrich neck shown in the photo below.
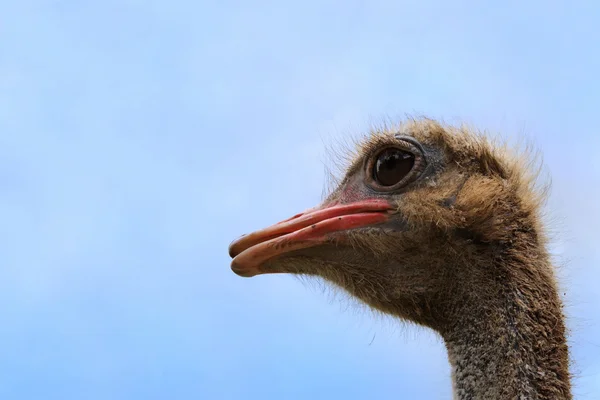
(511, 344)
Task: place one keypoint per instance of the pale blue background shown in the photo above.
(138, 138)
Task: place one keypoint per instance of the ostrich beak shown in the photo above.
(304, 230)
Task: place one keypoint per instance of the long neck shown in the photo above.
(511, 344)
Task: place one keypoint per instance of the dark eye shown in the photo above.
(391, 166)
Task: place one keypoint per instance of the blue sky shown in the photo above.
(138, 138)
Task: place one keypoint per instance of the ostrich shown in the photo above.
(435, 225)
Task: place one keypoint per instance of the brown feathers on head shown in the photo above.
(483, 174)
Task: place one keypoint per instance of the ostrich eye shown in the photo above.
(391, 166)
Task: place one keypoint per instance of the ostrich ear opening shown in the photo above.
(304, 230)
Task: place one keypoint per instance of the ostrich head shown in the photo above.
(426, 222)
(437, 226)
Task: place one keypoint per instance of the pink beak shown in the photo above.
(305, 230)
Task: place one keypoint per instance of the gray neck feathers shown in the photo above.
(515, 349)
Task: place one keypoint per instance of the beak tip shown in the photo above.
(241, 271)
(234, 247)
(232, 252)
